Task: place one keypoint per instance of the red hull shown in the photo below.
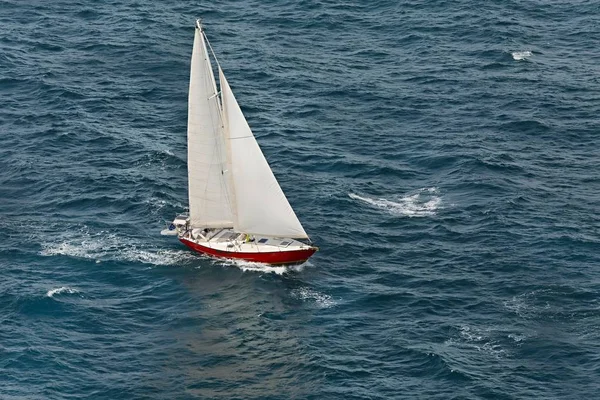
(278, 257)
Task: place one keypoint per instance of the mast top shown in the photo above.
(198, 24)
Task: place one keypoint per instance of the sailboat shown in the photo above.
(237, 209)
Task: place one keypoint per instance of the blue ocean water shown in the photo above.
(443, 155)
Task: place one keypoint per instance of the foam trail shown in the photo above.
(521, 55)
(424, 202)
(104, 246)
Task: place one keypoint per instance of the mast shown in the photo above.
(210, 205)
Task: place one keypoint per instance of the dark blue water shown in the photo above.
(443, 155)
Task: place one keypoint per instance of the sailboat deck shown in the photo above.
(231, 241)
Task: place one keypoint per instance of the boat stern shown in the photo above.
(178, 226)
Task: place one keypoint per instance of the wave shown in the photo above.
(521, 55)
(61, 290)
(425, 202)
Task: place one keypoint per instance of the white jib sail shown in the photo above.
(208, 191)
(261, 208)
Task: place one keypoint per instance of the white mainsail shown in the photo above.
(209, 200)
(260, 207)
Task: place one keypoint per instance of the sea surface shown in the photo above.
(443, 155)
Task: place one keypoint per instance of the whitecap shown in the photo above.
(422, 203)
(61, 290)
(320, 299)
(521, 55)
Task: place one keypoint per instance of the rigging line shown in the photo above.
(215, 98)
(220, 107)
(221, 116)
(211, 48)
(218, 93)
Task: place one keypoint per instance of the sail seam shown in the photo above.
(241, 137)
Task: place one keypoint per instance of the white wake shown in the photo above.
(105, 246)
(249, 266)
